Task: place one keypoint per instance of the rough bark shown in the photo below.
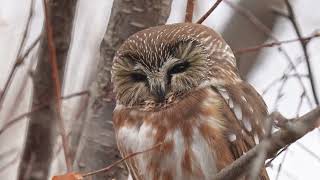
(42, 132)
(240, 32)
(97, 147)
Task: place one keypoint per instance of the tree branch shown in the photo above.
(264, 29)
(20, 57)
(189, 11)
(275, 43)
(206, 15)
(291, 132)
(291, 16)
(36, 109)
(57, 86)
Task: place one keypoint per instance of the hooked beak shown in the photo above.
(158, 89)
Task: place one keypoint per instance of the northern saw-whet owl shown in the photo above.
(179, 85)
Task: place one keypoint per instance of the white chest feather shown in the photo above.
(188, 159)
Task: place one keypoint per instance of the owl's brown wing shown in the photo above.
(245, 112)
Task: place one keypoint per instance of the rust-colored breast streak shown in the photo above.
(192, 133)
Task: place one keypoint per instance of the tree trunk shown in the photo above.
(42, 133)
(97, 147)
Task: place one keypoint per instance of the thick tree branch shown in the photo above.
(291, 132)
(189, 11)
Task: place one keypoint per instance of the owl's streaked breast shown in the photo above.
(192, 133)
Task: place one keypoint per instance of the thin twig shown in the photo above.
(11, 109)
(121, 160)
(189, 11)
(18, 60)
(32, 45)
(36, 109)
(81, 93)
(292, 18)
(276, 43)
(206, 15)
(300, 104)
(252, 18)
(264, 29)
(55, 78)
(281, 163)
(314, 155)
(20, 117)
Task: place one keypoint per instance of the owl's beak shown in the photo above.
(158, 89)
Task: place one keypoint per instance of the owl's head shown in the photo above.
(158, 66)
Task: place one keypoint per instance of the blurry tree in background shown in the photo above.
(90, 144)
(42, 128)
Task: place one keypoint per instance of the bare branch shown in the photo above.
(260, 26)
(207, 14)
(19, 58)
(27, 52)
(36, 109)
(291, 16)
(189, 11)
(251, 17)
(20, 117)
(292, 131)
(81, 93)
(121, 160)
(282, 161)
(55, 78)
(275, 43)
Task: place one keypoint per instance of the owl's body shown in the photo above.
(178, 85)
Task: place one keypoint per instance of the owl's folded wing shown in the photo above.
(245, 112)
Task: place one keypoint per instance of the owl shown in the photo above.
(178, 85)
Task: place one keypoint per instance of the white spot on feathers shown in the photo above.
(231, 105)
(232, 137)
(243, 98)
(247, 124)
(256, 138)
(224, 94)
(238, 112)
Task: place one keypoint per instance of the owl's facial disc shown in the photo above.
(159, 66)
(160, 78)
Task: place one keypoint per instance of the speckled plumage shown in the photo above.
(179, 85)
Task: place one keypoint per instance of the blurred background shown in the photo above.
(242, 23)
